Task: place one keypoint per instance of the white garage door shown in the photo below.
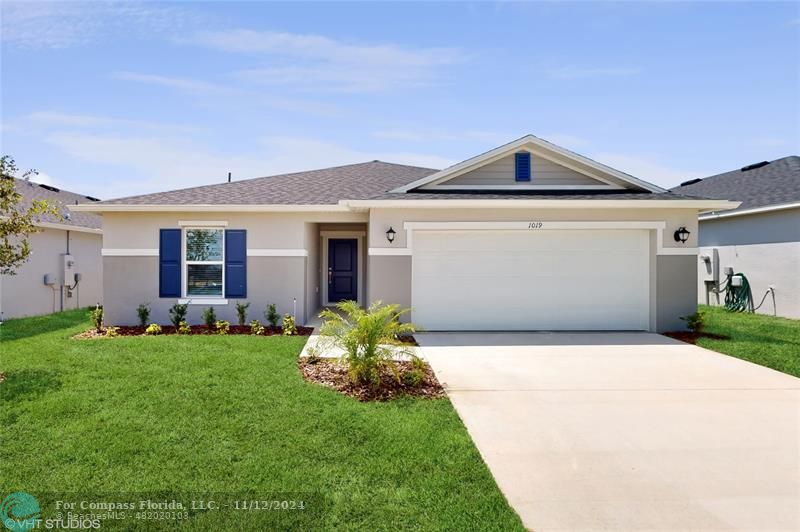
(531, 280)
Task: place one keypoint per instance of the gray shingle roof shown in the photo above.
(774, 184)
(315, 187)
(31, 191)
(363, 181)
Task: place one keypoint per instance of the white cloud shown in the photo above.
(321, 63)
(773, 142)
(165, 163)
(184, 84)
(62, 24)
(648, 169)
(573, 72)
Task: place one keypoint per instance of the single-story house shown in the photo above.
(527, 236)
(760, 238)
(65, 268)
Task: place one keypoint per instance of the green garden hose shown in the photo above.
(738, 298)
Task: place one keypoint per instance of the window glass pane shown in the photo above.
(204, 244)
(204, 280)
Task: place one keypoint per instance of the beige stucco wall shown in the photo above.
(25, 293)
(131, 280)
(672, 282)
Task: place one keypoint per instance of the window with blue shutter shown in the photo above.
(169, 263)
(236, 263)
(522, 166)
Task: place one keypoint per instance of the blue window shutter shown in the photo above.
(236, 263)
(522, 166)
(169, 263)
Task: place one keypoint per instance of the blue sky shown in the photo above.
(113, 99)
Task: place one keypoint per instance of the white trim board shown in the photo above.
(128, 252)
(203, 301)
(202, 223)
(121, 207)
(539, 203)
(389, 251)
(67, 227)
(254, 252)
(756, 210)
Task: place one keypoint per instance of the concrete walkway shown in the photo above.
(626, 431)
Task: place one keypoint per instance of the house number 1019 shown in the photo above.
(535, 225)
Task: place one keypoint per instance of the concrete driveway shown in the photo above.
(626, 431)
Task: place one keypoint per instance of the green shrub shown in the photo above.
(271, 314)
(143, 311)
(223, 327)
(183, 328)
(97, 317)
(363, 335)
(153, 329)
(112, 332)
(209, 317)
(288, 326)
(256, 327)
(695, 322)
(177, 313)
(241, 311)
(416, 375)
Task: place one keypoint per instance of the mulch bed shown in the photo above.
(691, 337)
(196, 329)
(333, 374)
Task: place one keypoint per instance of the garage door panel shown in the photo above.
(515, 280)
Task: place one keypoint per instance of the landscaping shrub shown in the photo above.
(256, 327)
(183, 328)
(143, 311)
(223, 327)
(313, 355)
(695, 322)
(363, 334)
(288, 326)
(416, 375)
(97, 317)
(153, 329)
(271, 314)
(241, 311)
(112, 332)
(177, 313)
(209, 317)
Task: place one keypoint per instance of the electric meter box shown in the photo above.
(69, 269)
(736, 281)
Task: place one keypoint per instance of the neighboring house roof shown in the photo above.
(31, 191)
(758, 186)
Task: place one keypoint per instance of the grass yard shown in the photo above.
(766, 340)
(229, 415)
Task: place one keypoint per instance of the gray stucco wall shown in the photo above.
(764, 228)
(389, 279)
(25, 293)
(129, 281)
(676, 296)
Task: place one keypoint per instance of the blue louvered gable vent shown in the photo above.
(169, 263)
(236, 263)
(522, 166)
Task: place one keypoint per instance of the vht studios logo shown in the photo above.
(20, 511)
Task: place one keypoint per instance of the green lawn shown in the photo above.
(766, 340)
(227, 415)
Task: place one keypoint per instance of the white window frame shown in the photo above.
(201, 300)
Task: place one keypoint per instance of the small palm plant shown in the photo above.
(369, 337)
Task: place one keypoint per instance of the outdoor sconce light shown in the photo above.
(390, 235)
(682, 235)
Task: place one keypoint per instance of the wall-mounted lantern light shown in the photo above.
(390, 235)
(682, 235)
